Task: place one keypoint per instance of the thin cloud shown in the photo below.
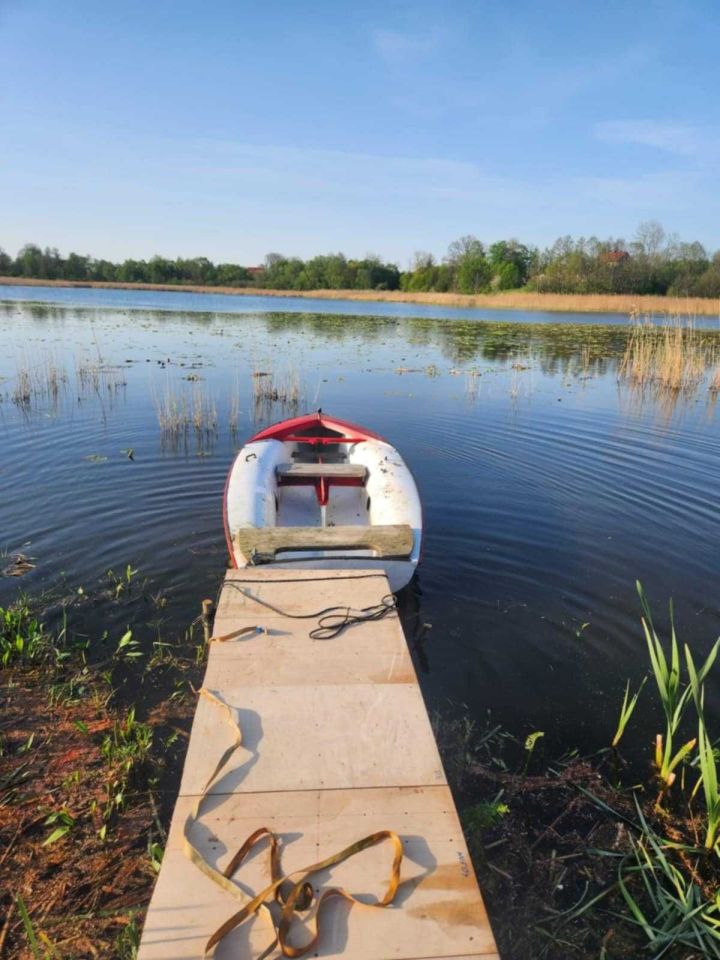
(680, 139)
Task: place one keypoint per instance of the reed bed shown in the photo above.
(282, 387)
(204, 412)
(96, 376)
(45, 381)
(510, 300)
(275, 393)
(23, 392)
(177, 412)
(675, 358)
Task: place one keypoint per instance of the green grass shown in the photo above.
(23, 639)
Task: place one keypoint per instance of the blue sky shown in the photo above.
(231, 129)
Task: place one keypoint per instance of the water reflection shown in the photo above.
(549, 481)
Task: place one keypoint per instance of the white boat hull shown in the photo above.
(257, 499)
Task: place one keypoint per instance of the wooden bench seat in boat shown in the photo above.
(389, 540)
(292, 471)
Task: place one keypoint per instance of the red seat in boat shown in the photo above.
(321, 476)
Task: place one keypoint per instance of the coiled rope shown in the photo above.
(298, 895)
(331, 621)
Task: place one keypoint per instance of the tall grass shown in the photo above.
(675, 358)
(276, 386)
(275, 391)
(472, 384)
(23, 638)
(234, 411)
(44, 380)
(674, 693)
(172, 411)
(204, 412)
(177, 411)
(510, 300)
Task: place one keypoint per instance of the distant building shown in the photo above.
(255, 271)
(614, 256)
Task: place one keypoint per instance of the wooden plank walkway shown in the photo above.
(336, 745)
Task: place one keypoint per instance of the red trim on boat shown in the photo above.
(289, 430)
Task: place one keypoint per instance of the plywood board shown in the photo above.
(337, 745)
(298, 591)
(309, 736)
(437, 912)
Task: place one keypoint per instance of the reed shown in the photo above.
(275, 387)
(472, 384)
(714, 384)
(172, 411)
(204, 412)
(45, 380)
(509, 300)
(96, 376)
(665, 901)
(23, 391)
(673, 358)
(673, 697)
(626, 711)
(180, 413)
(234, 412)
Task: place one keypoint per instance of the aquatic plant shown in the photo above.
(669, 904)
(204, 412)
(43, 380)
(22, 637)
(714, 384)
(626, 711)
(673, 357)
(282, 386)
(674, 694)
(275, 392)
(176, 412)
(472, 384)
(172, 411)
(234, 412)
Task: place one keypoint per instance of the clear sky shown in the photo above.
(231, 128)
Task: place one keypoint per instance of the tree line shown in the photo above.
(653, 262)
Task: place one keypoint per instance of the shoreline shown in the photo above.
(513, 300)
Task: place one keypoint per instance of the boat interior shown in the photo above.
(320, 487)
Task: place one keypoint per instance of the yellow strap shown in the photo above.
(300, 896)
(236, 634)
(191, 852)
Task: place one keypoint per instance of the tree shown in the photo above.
(76, 267)
(649, 239)
(464, 247)
(466, 257)
(510, 262)
(29, 262)
(473, 272)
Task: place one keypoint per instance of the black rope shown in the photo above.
(332, 620)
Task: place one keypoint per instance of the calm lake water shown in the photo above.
(229, 303)
(548, 486)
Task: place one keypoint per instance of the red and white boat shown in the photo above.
(318, 492)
